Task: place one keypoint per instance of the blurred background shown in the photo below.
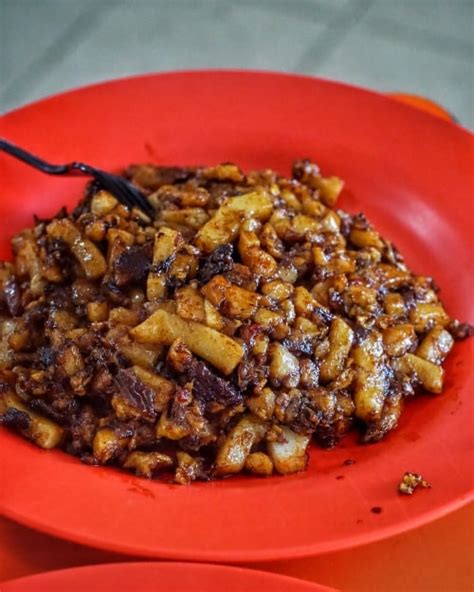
(424, 47)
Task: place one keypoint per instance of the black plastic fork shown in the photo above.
(123, 190)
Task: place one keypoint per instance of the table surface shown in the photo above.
(437, 556)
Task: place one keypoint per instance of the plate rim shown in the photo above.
(386, 96)
(242, 555)
(272, 577)
(254, 555)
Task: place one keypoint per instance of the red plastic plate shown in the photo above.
(153, 577)
(411, 173)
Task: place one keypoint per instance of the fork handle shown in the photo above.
(73, 168)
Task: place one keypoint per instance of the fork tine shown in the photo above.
(135, 199)
(141, 201)
(109, 182)
(125, 192)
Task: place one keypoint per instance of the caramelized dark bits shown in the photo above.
(13, 418)
(135, 393)
(248, 319)
(461, 331)
(218, 263)
(132, 266)
(206, 385)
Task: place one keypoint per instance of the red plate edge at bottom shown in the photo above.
(152, 577)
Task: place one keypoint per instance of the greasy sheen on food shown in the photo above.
(249, 319)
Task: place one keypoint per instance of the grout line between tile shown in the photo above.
(419, 37)
(70, 37)
(301, 9)
(337, 28)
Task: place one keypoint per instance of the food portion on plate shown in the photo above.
(410, 482)
(248, 319)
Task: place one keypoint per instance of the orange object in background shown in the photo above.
(424, 104)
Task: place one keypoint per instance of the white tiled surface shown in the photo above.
(163, 36)
(448, 19)
(419, 46)
(31, 29)
(437, 75)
